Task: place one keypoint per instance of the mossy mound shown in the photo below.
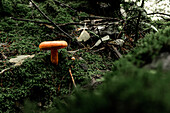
(39, 80)
(150, 47)
(142, 91)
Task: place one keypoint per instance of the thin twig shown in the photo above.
(158, 13)
(72, 78)
(100, 17)
(118, 54)
(49, 19)
(3, 55)
(60, 83)
(4, 70)
(29, 20)
(64, 5)
(138, 20)
(166, 19)
(98, 49)
(63, 24)
(82, 23)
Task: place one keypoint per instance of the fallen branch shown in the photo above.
(82, 23)
(64, 24)
(166, 19)
(49, 19)
(99, 49)
(100, 17)
(138, 20)
(159, 14)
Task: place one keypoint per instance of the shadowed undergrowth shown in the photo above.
(129, 87)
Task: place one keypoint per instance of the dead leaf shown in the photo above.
(84, 36)
(119, 42)
(107, 37)
(20, 59)
(51, 27)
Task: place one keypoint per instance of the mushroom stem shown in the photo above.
(53, 46)
(54, 56)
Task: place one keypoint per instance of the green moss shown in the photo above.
(39, 80)
(149, 47)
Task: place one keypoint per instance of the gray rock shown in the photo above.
(163, 61)
(20, 59)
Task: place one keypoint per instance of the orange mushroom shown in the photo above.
(53, 46)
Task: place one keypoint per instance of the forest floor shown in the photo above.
(95, 44)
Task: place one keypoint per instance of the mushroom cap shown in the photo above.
(53, 44)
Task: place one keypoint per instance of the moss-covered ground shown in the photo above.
(40, 86)
(37, 79)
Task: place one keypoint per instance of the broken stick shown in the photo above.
(49, 19)
(72, 78)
